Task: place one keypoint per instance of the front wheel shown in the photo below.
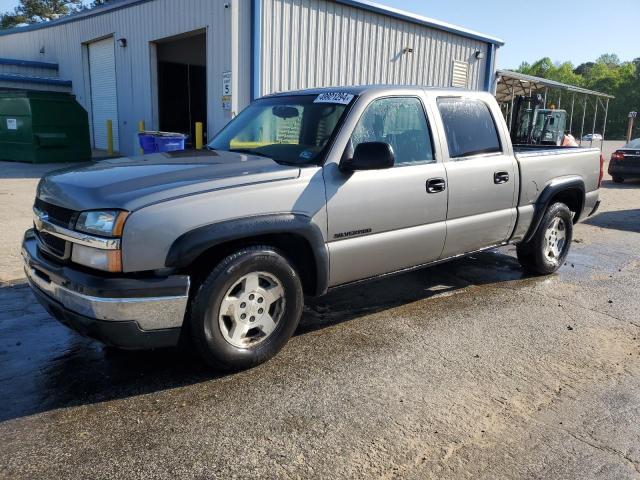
(548, 248)
(247, 309)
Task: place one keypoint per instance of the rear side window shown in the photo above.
(469, 127)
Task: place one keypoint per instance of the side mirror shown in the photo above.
(370, 156)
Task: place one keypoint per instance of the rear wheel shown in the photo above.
(548, 249)
(617, 179)
(247, 309)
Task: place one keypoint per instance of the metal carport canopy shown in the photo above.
(513, 83)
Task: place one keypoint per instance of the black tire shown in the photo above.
(617, 179)
(205, 329)
(532, 256)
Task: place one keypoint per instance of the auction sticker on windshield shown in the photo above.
(334, 97)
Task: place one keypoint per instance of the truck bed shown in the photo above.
(521, 150)
(541, 164)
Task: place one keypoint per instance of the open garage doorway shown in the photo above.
(182, 83)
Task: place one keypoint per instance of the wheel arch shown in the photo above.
(568, 190)
(295, 235)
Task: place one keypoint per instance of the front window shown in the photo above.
(401, 123)
(288, 129)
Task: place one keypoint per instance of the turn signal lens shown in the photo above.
(617, 156)
(105, 260)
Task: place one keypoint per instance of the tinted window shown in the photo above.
(400, 122)
(469, 127)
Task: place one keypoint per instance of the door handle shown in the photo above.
(436, 185)
(500, 177)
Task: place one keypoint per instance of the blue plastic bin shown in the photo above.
(147, 142)
(170, 142)
(152, 142)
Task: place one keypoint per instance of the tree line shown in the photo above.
(607, 74)
(35, 11)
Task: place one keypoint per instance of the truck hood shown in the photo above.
(132, 183)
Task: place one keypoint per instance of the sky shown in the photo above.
(573, 30)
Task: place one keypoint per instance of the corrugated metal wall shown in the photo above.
(310, 43)
(140, 24)
(304, 43)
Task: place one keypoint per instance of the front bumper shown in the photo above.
(126, 312)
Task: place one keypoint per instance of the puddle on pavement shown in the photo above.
(44, 365)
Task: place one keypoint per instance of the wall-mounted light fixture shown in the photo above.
(122, 42)
(42, 50)
(479, 55)
(407, 50)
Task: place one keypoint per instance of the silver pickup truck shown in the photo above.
(300, 193)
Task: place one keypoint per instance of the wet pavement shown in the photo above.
(467, 369)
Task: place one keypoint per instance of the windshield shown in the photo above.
(633, 144)
(293, 129)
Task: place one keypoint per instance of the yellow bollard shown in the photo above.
(140, 130)
(109, 137)
(199, 136)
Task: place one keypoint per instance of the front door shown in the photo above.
(382, 221)
(481, 174)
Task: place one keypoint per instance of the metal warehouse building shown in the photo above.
(172, 63)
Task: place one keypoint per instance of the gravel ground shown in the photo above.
(468, 369)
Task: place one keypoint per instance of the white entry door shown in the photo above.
(104, 98)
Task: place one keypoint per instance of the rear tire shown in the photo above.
(617, 179)
(246, 310)
(548, 248)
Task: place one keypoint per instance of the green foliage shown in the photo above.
(608, 74)
(34, 11)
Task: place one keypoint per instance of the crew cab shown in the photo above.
(301, 193)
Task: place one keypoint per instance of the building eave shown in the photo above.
(360, 4)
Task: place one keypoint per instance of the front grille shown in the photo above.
(64, 217)
(53, 245)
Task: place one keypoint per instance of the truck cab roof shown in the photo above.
(376, 88)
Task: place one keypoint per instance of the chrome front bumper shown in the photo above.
(153, 304)
(150, 313)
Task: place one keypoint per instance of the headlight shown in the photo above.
(106, 223)
(107, 260)
(103, 223)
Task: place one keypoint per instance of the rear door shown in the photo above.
(481, 175)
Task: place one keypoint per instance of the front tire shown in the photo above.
(247, 309)
(548, 248)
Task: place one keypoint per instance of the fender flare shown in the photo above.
(190, 245)
(555, 187)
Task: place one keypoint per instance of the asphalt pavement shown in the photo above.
(469, 369)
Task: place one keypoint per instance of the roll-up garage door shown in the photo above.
(104, 98)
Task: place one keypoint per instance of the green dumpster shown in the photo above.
(43, 127)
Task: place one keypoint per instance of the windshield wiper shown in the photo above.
(260, 154)
(249, 151)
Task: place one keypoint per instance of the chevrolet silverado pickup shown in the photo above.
(302, 192)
